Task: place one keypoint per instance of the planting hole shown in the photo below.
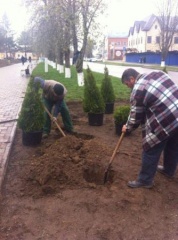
(95, 174)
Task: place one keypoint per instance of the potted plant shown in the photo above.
(31, 117)
(107, 92)
(93, 103)
(121, 114)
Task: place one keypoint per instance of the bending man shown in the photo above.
(53, 95)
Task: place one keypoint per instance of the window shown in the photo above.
(157, 39)
(176, 40)
(149, 39)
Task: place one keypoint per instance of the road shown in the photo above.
(117, 71)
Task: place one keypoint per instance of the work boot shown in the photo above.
(137, 184)
(161, 170)
(67, 130)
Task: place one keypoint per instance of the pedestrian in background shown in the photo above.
(154, 106)
(23, 60)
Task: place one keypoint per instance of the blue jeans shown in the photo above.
(150, 159)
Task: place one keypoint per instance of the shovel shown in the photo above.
(112, 157)
(63, 134)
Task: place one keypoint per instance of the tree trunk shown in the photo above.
(67, 58)
(61, 61)
(61, 57)
(67, 64)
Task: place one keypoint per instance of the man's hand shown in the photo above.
(54, 119)
(124, 128)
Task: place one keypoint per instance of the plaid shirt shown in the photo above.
(154, 106)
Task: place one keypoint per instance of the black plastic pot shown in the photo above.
(118, 129)
(109, 108)
(31, 138)
(95, 119)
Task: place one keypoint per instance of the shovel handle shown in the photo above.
(112, 157)
(116, 148)
(63, 134)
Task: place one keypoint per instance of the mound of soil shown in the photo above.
(55, 190)
(71, 162)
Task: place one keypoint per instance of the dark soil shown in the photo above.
(55, 191)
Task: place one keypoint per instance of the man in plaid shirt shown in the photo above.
(154, 106)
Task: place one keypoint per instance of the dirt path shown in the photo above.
(55, 191)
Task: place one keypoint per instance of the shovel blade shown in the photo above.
(106, 175)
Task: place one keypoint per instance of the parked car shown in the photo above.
(93, 59)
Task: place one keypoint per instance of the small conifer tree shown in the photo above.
(31, 117)
(93, 101)
(164, 69)
(121, 114)
(107, 90)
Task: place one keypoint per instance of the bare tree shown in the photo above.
(6, 36)
(168, 21)
(51, 19)
(63, 23)
(89, 10)
(25, 41)
(89, 48)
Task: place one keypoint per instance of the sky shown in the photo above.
(121, 14)
(16, 14)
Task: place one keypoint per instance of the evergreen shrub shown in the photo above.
(31, 117)
(121, 114)
(93, 101)
(107, 90)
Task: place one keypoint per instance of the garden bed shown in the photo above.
(55, 190)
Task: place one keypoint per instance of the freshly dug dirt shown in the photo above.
(56, 191)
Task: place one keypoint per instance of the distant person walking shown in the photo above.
(23, 60)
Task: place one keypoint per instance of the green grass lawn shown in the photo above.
(75, 93)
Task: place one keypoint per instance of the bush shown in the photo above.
(107, 90)
(93, 101)
(164, 69)
(121, 114)
(31, 117)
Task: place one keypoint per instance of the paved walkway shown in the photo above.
(12, 90)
